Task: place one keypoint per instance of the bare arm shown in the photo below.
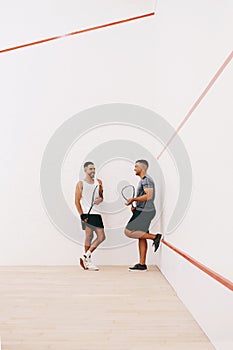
(78, 196)
(146, 197)
(101, 197)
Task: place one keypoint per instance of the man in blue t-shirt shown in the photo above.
(138, 225)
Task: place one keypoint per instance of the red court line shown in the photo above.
(198, 101)
(225, 282)
(77, 32)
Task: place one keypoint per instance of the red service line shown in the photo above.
(198, 101)
(77, 32)
(225, 282)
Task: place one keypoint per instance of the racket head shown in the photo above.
(128, 192)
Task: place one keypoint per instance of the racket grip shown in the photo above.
(133, 208)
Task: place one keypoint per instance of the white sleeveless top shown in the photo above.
(87, 196)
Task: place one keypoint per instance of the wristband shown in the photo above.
(83, 216)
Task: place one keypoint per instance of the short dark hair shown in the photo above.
(87, 163)
(143, 161)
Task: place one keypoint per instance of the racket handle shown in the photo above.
(133, 208)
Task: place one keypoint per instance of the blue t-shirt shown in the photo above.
(145, 182)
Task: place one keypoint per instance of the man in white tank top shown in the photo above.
(88, 196)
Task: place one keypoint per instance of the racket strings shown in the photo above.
(128, 192)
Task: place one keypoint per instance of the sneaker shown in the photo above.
(138, 267)
(156, 241)
(83, 261)
(91, 266)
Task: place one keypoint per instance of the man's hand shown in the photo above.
(130, 201)
(84, 217)
(98, 200)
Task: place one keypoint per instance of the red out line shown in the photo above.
(77, 32)
(225, 282)
(198, 101)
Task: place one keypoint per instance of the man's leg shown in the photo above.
(88, 238)
(87, 256)
(99, 239)
(142, 245)
(84, 259)
(139, 234)
(156, 238)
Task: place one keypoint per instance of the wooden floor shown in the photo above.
(66, 308)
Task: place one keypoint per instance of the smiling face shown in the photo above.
(90, 170)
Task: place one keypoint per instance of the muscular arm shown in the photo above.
(101, 197)
(78, 196)
(101, 189)
(146, 197)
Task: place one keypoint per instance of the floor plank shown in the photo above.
(66, 308)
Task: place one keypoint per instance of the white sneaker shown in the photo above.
(83, 262)
(91, 266)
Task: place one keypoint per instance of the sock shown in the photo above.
(88, 254)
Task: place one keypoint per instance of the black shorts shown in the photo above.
(94, 221)
(140, 220)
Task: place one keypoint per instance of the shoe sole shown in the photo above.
(137, 270)
(82, 264)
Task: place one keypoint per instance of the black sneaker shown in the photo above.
(156, 241)
(138, 267)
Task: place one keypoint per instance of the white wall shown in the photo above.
(197, 49)
(206, 232)
(43, 86)
(163, 63)
(209, 302)
(29, 21)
